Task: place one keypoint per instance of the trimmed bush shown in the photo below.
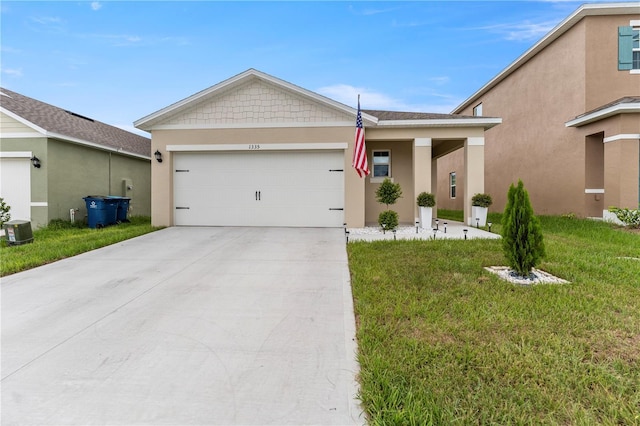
(5, 216)
(522, 240)
(389, 219)
(627, 216)
(481, 200)
(426, 199)
(388, 192)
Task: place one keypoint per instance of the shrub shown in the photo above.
(481, 200)
(627, 216)
(5, 216)
(388, 192)
(522, 240)
(426, 199)
(389, 219)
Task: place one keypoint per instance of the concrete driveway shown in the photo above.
(185, 326)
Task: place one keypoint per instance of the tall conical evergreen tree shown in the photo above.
(522, 240)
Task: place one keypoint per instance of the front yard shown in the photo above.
(62, 239)
(442, 341)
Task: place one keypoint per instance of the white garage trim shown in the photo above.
(259, 125)
(258, 147)
(16, 154)
(39, 204)
(259, 188)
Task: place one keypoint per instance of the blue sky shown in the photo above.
(118, 61)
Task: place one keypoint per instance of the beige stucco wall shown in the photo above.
(574, 74)
(162, 176)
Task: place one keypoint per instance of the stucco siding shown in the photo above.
(532, 142)
(76, 171)
(604, 83)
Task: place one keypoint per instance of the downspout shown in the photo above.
(109, 173)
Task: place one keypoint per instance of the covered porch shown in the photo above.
(405, 148)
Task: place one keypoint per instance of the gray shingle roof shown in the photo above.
(621, 101)
(399, 115)
(72, 125)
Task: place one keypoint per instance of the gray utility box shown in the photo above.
(18, 232)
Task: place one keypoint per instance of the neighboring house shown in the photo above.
(571, 119)
(255, 150)
(50, 158)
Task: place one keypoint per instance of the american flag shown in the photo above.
(360, 151)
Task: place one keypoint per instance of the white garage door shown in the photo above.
(15, 186)
(268, 188)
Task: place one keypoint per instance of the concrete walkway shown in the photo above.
(446, 229)
(185, 326)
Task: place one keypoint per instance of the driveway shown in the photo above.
(185, 326)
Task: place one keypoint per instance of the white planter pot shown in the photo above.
(479, 213)
(426, 217)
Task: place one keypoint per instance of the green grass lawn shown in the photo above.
(61, 239)
(441, 341)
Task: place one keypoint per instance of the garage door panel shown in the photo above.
(259, 188)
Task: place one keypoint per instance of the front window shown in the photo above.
(381, 164)
(477, 110)
(452, 185)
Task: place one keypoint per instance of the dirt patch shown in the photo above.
(623, 346)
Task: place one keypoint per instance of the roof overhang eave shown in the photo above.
(604, 113)
(486, 123)
(589, 9)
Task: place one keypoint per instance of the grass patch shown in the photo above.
(441, 341)
(61, 239)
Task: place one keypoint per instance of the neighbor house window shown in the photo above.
(629, 47)
(477, 110)
(381, 164)
(452, 185)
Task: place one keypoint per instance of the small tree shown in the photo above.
(388, 193)
(522, 240)
(5, 216)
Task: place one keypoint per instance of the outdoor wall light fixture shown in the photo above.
(465, 233)
(477, 222)
(445, 227)
(158, 156)
(35, 161)
(437, 227)
(489, 223)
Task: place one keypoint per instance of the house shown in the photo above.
(51, 158)
(255, 150)
(570, 107)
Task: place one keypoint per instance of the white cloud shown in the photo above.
(96, 5)
(14, 72)
(521, 31)
(371, 99)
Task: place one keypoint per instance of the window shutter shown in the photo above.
(625, 48)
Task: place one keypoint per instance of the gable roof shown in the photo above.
(371, 118)
(58, 123)
(593, 9)
(147, 122)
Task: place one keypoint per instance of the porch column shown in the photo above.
(473, 173)
(422, 177)
(434, 184)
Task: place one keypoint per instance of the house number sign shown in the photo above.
(254, 147)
